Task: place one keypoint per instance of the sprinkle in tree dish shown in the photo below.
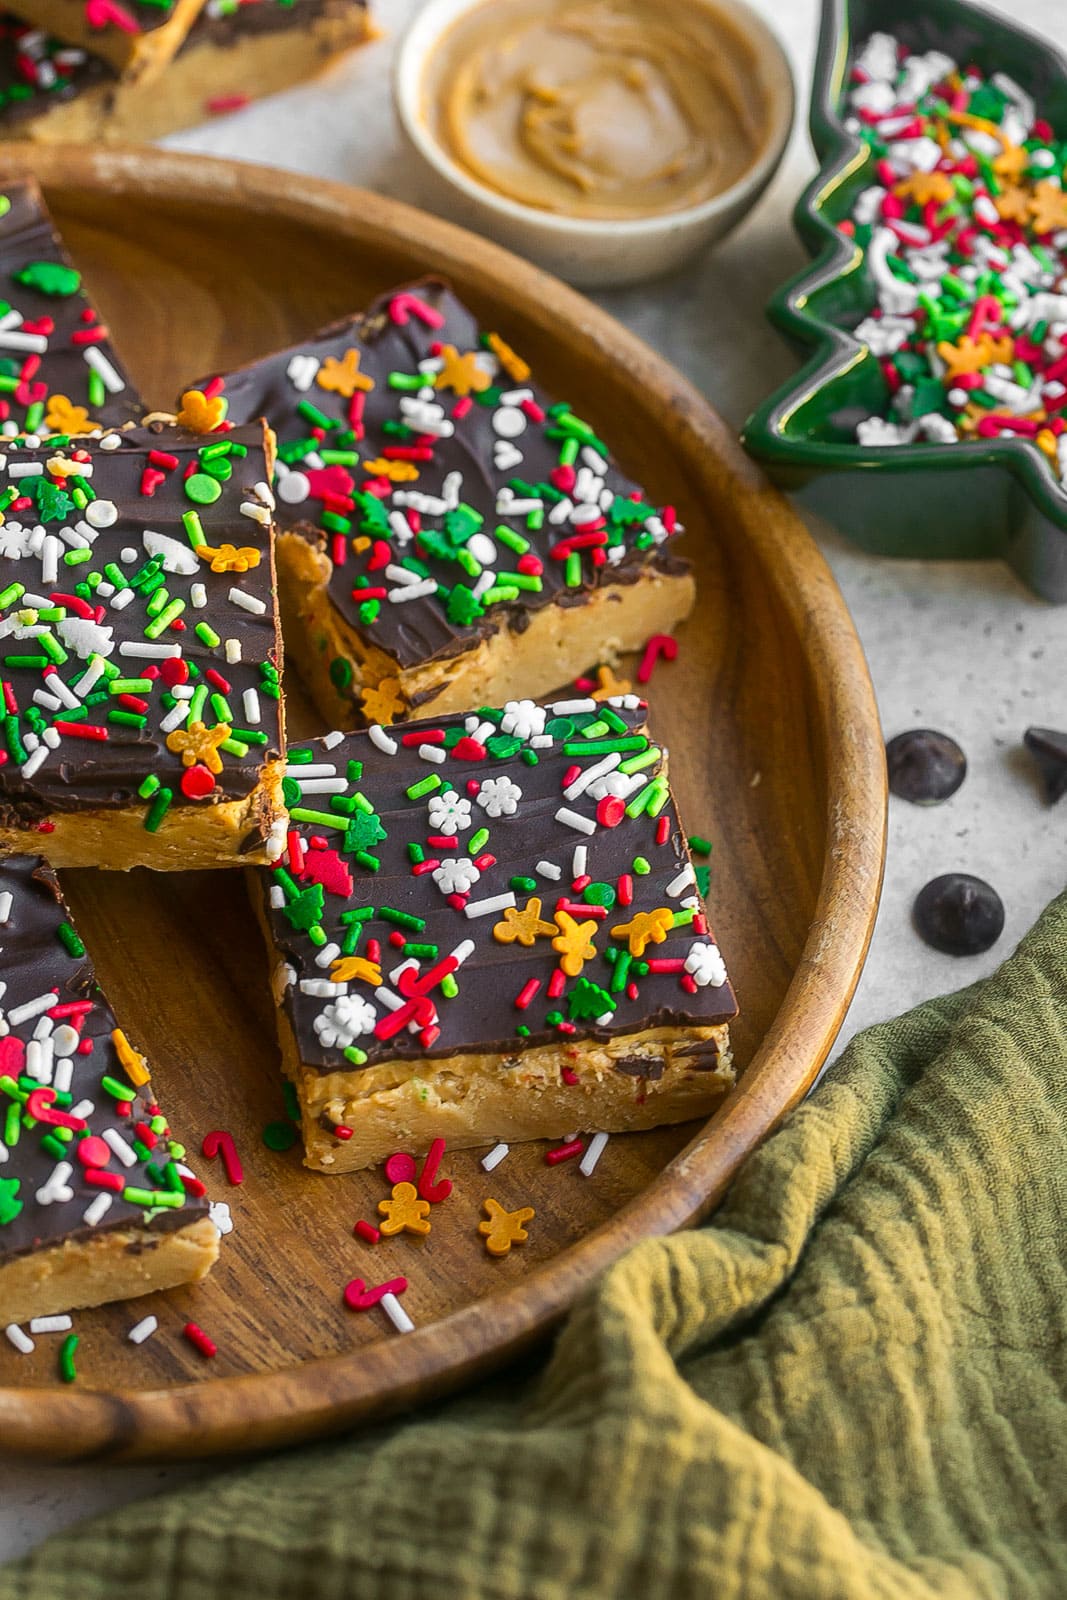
(137, 37)
(95, 1203)
(448, 536)
(139, 651)
(965, 239)
(58, 370)
(488, 927)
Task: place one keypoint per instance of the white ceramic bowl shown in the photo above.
(587, 252)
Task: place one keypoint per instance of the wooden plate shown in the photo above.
(775, 750)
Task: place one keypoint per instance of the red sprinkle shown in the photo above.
(660, 644)
(219, 104)
(359, 1298)
(200, 1341)
(563, 1152)
(80, 730)
(663, 829)
(366, 1231)
(400, 1167)
(569, 1076)
(219, 1142)
(527, 993)
(625, 888)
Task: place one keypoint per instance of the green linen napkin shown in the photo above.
(852, 1384)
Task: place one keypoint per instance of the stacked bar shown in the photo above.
(58, 87)
(449, 536)
(94, 1204)
(488, 927)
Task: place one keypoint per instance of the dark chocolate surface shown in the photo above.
(48, 340)
(461, 438)
(35, 964)
(142, 567)
(362, 866)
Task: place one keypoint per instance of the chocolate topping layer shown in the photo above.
(98, 656)
(512, 868)
(58, 370)
(421, 450)
(44, 1048)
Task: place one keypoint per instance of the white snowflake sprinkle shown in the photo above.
(347, 1019)
(456, 875)
(449, 813)
(499, 797)
(705, 965)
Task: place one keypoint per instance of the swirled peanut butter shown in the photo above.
(598, 108)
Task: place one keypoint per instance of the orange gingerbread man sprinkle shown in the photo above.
(382, 702)
(461, 374)
(971, 355)
(405, 1212)
(198, 413)
(504, 1228)
(647, 927)
(343, 377)
(523, 926)
(199, 743)
(62, 416)
(573, 943)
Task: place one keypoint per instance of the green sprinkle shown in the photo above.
(69, 939)
(427, 952)
(153, 1197)
(603, 747)
(365, 859)
(513, 540)
(699, 845)
(424, 786)
(477, 840)
(325, 819)
(158, 809)
(636, 763)
(117, 1090)
(449, 986)
(166, 617)
(13, 592)
(280, 1136)
(357, 1056)
(130, 685)
(402, 919)
(207, 635)
(202, 488)
(319, 419)
(640, 866)
(572, 570)
(67, 1369)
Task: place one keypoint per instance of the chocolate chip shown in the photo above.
(1049, 750)
(958, 914)
(925, 767)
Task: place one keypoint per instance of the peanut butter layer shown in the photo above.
(555, 647)
(448, 503)
(136, 37)
(139, 650)
(95, 1204)
(258, 50)
(488, 926)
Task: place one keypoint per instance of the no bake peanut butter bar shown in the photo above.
(142, 718)
(487, 927)
(53, 91)
(94, 1205)
(447, 535)
(58, 370)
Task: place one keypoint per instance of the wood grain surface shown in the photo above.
(776, 755)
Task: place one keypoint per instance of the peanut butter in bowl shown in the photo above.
(605, 139)
(598, 108)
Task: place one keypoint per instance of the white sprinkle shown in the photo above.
(7, 900)
(51, 1325)
(128, 555)
(484, 584)
(101, 513)
(331, 740)
(51, 737)
(277, 896)
(548, 869)
(91, 676)
(50, 553)
(198, 595)
(323, 785)
(593, 1153)
(97, 1209)
(578, 860)
(59, 688)
(495, 902)
(431, 752)
(219, 1212)
(63, 1076)
(49, 701)
(23, 1344)
(417, 591)
(680, 883)
(250, 701)
(327, 955)
(463, 951)
(143, 1330)
(251, 602)
(39, 1060)
(570, 708)
(257, 513)
(118, 1147)
(31, 1008)
(378, 737)
(396, 1314)
(233, 651)
(24, 341)
(175, 717)
(402, 574)
(95, 358)
(84, 1109)
(322, 988)
(121, 600)
(182, 691)
(589, 776)
(574, 819)
(29, 768)
(150, 652)
(496, 1155)
(310, 769)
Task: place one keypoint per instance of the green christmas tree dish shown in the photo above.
(977, 500)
